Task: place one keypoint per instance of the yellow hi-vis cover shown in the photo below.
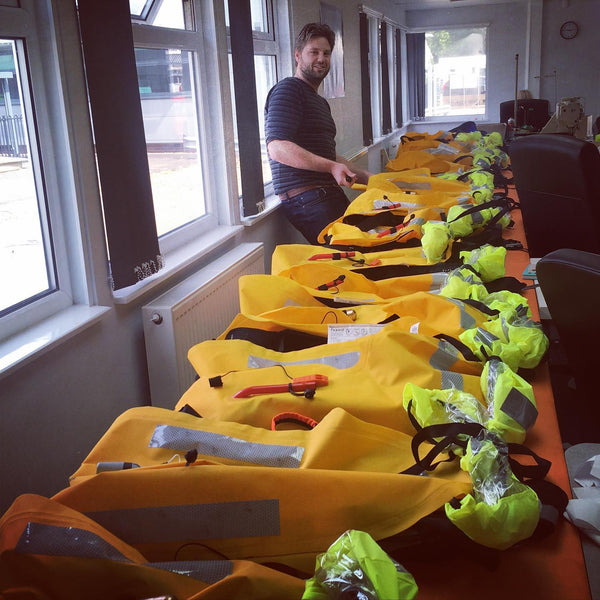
(150, 437)
(48, 550)
(436, 163)
(417, 181)
(261, 293)
(286, 256)
(262, 514)
(366, 377)
(421, 312)
(334, 284)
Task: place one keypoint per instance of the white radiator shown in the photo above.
(199, 308)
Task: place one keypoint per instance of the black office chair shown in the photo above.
(531, 114)
(570, 282)
(557, 179)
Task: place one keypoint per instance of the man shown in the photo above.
(300, 135)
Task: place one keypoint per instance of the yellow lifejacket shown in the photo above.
(365, 377)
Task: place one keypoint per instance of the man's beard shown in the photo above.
(311, 76)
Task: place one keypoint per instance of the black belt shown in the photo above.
(300, 190)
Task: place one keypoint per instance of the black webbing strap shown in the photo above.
(448, 434)
(462, 348)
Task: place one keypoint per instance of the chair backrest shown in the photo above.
(557, 178)
(570, 282)
(534, 113)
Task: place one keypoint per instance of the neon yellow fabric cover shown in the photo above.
(501, 511)
(435, 241)
(464, 284)
(488, 261)
(433, 407)
(510, 400)
(356, 563)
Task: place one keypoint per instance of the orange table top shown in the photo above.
(550, 568)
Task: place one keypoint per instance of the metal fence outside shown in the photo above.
(12, 136)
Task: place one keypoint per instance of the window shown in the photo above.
(36, 269)
(166, 49)
(24, 230)
(455, 72)
(266, 57)
(380, 60)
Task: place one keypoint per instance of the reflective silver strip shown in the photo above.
(54, 540)
(417, 221)
(442, 359)
(486, 337)
(477, 218)
(219, 520)
(209, 571)
(338, 361)
(518, 407)
(443, 149)
(379, 204)
(438, 280)
(224, 446)
(405, 185)
(467, 321)
(452, 381)
(463, 199)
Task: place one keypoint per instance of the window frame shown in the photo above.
(193, 41)
(466, 116)
(46, 128)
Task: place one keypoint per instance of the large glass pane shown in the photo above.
(166, 83)
(25, 266)
(259, 14)
(455, 62)
(265, 71)
(161, 13)
(266, 77)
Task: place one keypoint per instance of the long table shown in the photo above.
(552, 568)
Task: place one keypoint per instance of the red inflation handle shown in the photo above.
(331, 284)
(332, 256)
(298, 384)
(391, 230)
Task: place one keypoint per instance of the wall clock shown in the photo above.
(568, 30)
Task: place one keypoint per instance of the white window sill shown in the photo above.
(23, 347)
(271, 204)
(176, 260)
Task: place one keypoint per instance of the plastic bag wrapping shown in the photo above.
(356, 567)
(463, 283)
(501, 511)
(518, 342)
(583, 510)
(511, 404)
(432, 407)
(487, 260)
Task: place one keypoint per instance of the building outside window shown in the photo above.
(455, 72)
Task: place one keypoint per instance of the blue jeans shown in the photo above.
(312, 211)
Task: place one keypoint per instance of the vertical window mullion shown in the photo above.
(242, 54)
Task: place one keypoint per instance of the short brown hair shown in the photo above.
(312, 30)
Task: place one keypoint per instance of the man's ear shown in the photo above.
(296, 55)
